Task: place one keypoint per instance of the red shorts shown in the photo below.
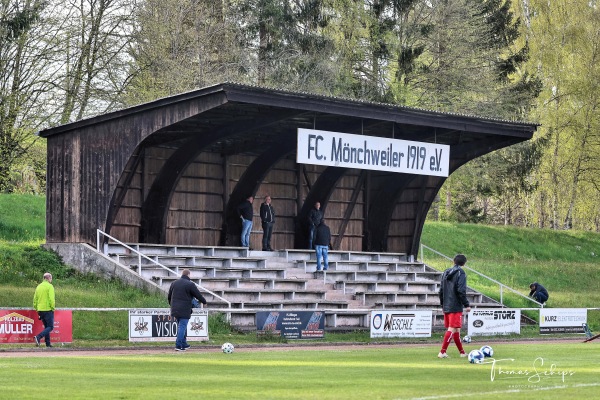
(453, 320)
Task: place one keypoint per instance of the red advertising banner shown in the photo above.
(19, 326)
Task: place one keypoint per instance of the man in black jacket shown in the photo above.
(322, 240)
(245, 212)
(267, 218)
(314, 219)
(538, 292)
(181, 294)
(453, 297)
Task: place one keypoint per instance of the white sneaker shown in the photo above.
(463, 354)
(443, 355)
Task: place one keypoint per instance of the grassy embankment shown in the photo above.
(565, 262)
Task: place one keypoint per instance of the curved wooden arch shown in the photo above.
(247, 186)
(321, 192)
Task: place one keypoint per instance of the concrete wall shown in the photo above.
(84, 258)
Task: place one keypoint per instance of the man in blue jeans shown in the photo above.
(246, 213)
(181, 294)
(314, 219)
(43, 303)
(322, 240)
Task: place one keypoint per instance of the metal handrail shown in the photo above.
(140, 256)
(502, 286)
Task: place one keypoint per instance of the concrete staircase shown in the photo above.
(355, 284)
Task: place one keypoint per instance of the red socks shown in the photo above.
(448, 338)
(446, 342)
(458, 342)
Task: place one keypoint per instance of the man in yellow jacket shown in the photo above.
(43, 303)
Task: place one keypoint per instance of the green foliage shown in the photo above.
(22, 218)
(562, 261)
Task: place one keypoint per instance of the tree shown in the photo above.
(565, 44)
(24, 56)
(182, 45)
(94, 38)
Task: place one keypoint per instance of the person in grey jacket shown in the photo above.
(453, 299)
(180, 296)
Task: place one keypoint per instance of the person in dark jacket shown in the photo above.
(453, 299)
(538, 292)
(245, 212)
(181, 294)
(314, 219)
(322, 240)
(267, 218)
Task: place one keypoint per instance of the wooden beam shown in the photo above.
(350, 209)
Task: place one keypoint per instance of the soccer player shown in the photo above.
(453, 298)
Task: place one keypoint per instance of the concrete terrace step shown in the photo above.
(332, 275)
(292, 304)
(356, 283)
(253, 283)
(373, 266)
(267, 295)
(191, 261)
(355, 286)
(338, 255)
(165, 249)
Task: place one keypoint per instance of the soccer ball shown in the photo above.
(487, 351)
(467, 339)
(476, 357)
(227, 348)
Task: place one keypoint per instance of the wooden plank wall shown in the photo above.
(195, 215)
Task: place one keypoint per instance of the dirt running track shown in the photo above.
(116, 351)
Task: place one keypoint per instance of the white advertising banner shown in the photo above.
(371, 152)
(562, 320)
(157, 325)
(401, 323)
(482, 322)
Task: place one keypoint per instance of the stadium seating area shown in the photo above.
(355, 284)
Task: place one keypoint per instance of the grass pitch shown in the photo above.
(521, 371)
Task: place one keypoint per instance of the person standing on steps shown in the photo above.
(314, 219)
(322, 241)
(453, 299)
(246, 213)
(181, 294)
(267, 218)
(44, 303)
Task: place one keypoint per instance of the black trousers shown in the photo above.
(267, 232)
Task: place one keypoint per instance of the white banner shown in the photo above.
(489, 322)
(372, 152)
(157, 325)
(562, 320)
(402, 323)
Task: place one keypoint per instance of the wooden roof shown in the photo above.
(232, 119)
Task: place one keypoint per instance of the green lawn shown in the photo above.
(566, 262)
(521, 371)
